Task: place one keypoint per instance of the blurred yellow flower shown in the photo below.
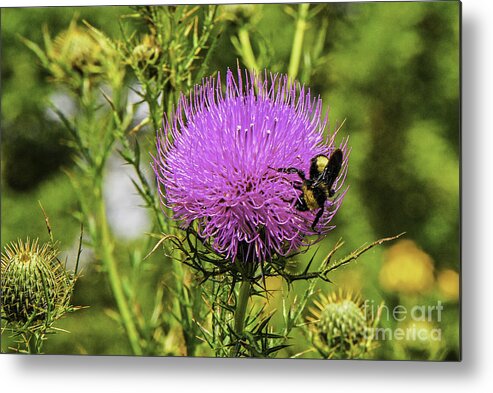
(407, 269)
(448, 283)
(419, 336)
(274, 294)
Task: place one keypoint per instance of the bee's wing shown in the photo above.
(333, 168)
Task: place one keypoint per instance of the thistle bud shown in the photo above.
(81, 54)
(340, 326)
(77, 48)
(147, 53)
(35, 286)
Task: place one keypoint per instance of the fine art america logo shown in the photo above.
(415, 323)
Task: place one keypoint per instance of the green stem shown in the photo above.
(240, 311)
(30, 344)
(184, 304)
(33, 342)
(106, 246)
(38, 342)
(294, 61)
(247, 51)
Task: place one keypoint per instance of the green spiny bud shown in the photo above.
(239, 14)
(35, 286)
(76, 48)
(147, 52)
(340, 326)
(81, 53)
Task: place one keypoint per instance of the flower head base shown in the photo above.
(36, 288)
(218, 157)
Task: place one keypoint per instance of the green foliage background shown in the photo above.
(390, 70)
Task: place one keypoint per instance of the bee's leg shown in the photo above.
(299, 172)
(318, 216)
(301, 204)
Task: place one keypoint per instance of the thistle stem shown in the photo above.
(106, 246)
(33, 342)
(247, 50)
(183, 304)
(241, 307)
(295, 59)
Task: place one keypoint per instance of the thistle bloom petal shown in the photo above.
(217, 158)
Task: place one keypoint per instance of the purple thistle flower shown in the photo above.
(216, 158)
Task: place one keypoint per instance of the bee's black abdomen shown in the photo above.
(320, 195)
(301, 204)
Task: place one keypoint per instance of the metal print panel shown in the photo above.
(263, 181)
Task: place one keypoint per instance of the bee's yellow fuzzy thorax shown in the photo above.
(322, 163)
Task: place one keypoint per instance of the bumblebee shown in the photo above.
(318, 188)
